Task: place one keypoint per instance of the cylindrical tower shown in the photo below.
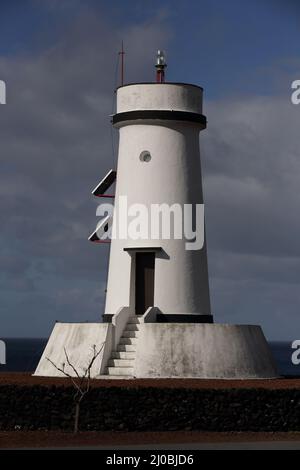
(158, 163)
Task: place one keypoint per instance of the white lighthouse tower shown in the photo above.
(157, 320)
(159, 168)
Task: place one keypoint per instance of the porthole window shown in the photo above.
(145, 156)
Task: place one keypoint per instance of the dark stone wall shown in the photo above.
(150, 409)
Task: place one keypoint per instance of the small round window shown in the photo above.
(145, 156)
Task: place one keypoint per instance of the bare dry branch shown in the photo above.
(69, 363)
(80, 383)
(65, 373)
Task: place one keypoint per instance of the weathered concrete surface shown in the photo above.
(165, 350)
(165, 96)
(203, 350)
(78, 339)
(119, 321)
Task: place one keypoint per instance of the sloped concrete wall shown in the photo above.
(78, 339)
(203, 350)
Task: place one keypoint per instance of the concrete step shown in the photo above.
(126, 348)
(122, 355)
(120, 362)
(127, 340)
(128, 334)
(132, 327)
(120, 370)
(134, 320)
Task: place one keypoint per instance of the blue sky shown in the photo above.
(58, 59)
(237, 46)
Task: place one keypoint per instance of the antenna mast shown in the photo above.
(122, 53)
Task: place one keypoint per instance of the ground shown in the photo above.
(18, 378)
(34, 439)
(50, 439)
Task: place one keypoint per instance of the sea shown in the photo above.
(22, 355)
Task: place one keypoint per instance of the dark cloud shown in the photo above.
(56, 145)
(251, 159)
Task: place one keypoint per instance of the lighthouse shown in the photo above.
(157, 320)
(159, 168)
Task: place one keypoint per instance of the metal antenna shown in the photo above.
(122, 54)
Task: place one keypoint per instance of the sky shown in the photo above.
(58, 59)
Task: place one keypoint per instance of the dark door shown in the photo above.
(144, 282)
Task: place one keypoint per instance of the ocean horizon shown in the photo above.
(23, 355)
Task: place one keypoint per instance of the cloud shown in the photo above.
(56, 145)
(251, 159)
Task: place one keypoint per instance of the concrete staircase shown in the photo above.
(121, 361)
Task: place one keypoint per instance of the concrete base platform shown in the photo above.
(78, 339)
(164, 350)
(204, 351)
